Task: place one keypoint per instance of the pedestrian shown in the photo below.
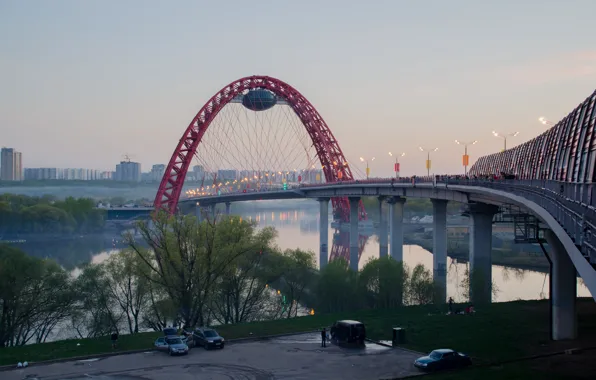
(392, 182)
(324, 337)
(114, 338)
(450, 304)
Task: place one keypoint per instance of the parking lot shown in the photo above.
(291, 357)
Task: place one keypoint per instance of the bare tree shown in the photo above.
(186, 258)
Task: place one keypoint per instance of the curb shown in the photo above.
(150, 349)
(396, 347)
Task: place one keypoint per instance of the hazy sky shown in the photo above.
(83, 82)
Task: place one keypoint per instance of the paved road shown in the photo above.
(295, 357)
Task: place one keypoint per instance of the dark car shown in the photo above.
(208, 338)
(443, 359)
(347, 331)
(172, 344)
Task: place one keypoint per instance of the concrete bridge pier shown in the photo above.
(383, 236)
(323, 232)
(396, 226)
(228, 208)
(563, 290)
(354, 246)
(481, 245)
(440, 249)
(212, 211)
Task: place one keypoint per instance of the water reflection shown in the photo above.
(300, 229)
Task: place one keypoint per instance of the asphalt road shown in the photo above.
(294, 357)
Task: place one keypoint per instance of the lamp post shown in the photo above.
(428, 152)
(466, 158)
(545, 121)
(504, 137)
(367, 167)
(396, 166)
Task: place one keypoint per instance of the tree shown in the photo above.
(35, 295)
(128, 288)
(383, 282)
(298, 269)
(337, 288)
(187, 258)
(97, 314)
(421, 289)
(242, 293)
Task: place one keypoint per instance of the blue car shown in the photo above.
(443, 359)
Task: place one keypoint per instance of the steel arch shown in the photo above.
(335, 166)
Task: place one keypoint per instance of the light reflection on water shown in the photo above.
(300, 229)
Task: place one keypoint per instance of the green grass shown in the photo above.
(498, 332)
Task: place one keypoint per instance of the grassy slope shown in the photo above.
(499, 332)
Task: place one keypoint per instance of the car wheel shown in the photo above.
(171, 353)
(206, 346)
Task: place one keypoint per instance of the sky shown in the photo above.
(84, 82)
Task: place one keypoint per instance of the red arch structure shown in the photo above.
(334, 164)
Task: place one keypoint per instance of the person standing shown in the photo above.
(324, 337)
(450, 303)
(114, 338)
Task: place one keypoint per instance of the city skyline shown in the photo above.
(409, 75)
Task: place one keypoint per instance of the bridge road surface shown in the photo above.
(293, 357)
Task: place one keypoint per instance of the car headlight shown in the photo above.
(210, 341)
(223, 340)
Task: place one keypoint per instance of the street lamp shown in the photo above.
(466, 158)
(504, 137)
(367, 167)
(545, 121)
(396, 167)
(428, 152)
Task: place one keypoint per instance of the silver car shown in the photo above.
(172, 344)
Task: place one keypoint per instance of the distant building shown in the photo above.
(11, 165)
(224, 175)
(128, 171)
(40, 174)
(198, 172)
(157, 172)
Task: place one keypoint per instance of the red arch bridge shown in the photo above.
(244, 142)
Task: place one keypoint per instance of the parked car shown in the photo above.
(172, 344)
(348, 331)
(208, 338)
(442, 359)
(172, 331)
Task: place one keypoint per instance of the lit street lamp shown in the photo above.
(545, 121)
(504, 137)
(428, 152)
(466, 158)
(367, 167)
(396, 167)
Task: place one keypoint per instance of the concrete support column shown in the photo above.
(383, 236)
(212, 211)
(228, 208)
(481, 246)
(323, 232)
(440, 249)
(354, 246)
(563, 290)
(396, 226)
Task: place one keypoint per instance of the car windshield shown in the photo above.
(435, 355)
(174, 341)
(210, 334)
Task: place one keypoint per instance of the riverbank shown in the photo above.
(503, 256)
(498, 332)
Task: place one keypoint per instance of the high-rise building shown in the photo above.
(39, 174)
(11, 163)
(157, 172)
(128, 171)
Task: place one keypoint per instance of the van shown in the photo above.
(348, 331)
